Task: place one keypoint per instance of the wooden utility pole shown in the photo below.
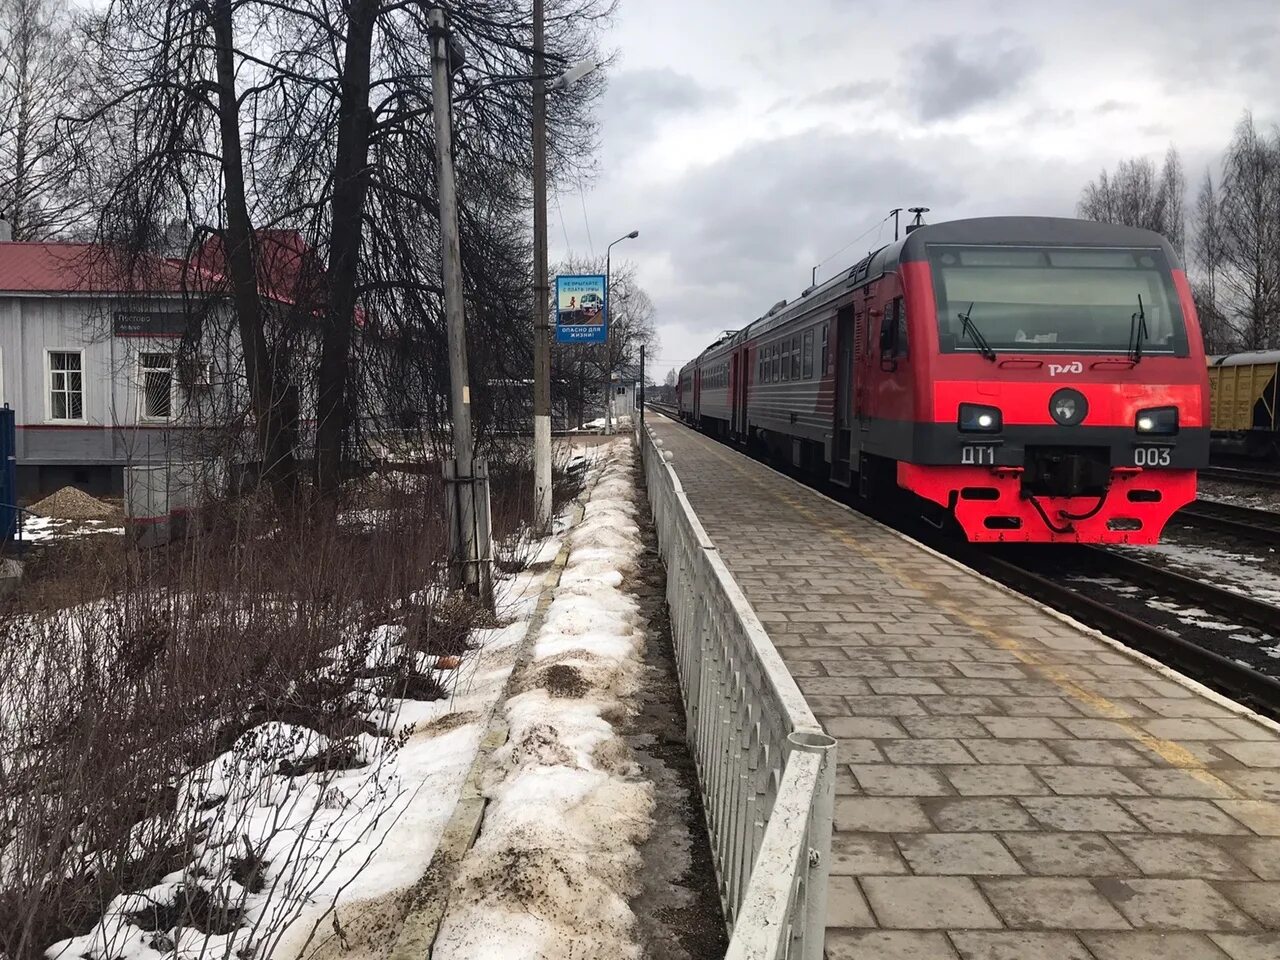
(541, 285)
(469, 532)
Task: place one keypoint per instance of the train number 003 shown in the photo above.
(1152, 456)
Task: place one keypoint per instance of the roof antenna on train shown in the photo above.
(894, 213)
(919, 220)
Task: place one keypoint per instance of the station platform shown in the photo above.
(1010, 785)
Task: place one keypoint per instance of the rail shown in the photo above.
(765, 767)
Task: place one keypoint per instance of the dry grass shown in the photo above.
(123, 670)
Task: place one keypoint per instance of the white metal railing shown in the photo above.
(765, 766)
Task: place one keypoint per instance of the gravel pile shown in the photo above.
(72, 504)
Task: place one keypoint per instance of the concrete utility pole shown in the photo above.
(607, 396)
(541, 286)
(472, 542)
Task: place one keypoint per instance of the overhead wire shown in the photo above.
(875, 226)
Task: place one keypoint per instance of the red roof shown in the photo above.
(76, 268)
(288, 270)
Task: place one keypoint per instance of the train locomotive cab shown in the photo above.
(1054, 388)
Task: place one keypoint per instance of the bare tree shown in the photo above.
(1207, 256)
(1248, 222)
(38, 82)
(314, 116)
(1137, 196)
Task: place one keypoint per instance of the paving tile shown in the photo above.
(887, 945)
(1170, 815)
(1136, 945)
(957, 854)
(1017, 945)
(1165, 782)
(1021, 728)
(874, 706)
(1186, 857)
(1248, 946)
(929, 669)
(890, 780)
(1097, 814)
(864, 728)
(926, 751)
(944, 727)
(1181, 707)
(1031, 706)
(1254, 753)
(978, 814)
(908, 685)
(1088, 781)
(1260, 900)
(1245, 728)
(816, 685)
(880, 815)
(1042, 903)
(958, 706)
(1260, 816)
(845, 905)
(928, 903)
(1107, 753)
(1261, 855)
(858, 751)
(1067, 854)
(995, 780)
(1253, 783)
(865, 854)
(1011, 751)
(1186, 729)
(999, 671)
(1173, 904)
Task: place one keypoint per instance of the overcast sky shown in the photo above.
(748, 141)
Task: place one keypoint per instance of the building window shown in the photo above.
(808, 354)
(66, 385)
(157, 386)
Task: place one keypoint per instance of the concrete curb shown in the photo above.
(430, 896)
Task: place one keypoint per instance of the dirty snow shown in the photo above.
(37, 529)
(352, 843)
(1235, 570)
(557, 856)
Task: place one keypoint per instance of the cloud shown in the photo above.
(638, 102)
(845, 94)
(952, 75)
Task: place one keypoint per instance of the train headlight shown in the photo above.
(1157, 421)
(975, 418)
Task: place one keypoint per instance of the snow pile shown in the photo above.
(295, 835)
(557, 858)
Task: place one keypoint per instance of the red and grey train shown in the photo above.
(1037, 379)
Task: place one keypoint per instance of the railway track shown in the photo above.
(1261, 478)
(1262, 526)
(1227, 675)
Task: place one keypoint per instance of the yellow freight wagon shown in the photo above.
(1244, 403)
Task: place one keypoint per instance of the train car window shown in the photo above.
(893, 330)
(825, 350)
(795, 358)
(773, 362)
(807, 371)
(786, 360)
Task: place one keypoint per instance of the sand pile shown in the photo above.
(72, 504)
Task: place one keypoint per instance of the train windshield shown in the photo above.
(1055, 299)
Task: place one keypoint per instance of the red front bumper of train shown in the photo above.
(989, 504)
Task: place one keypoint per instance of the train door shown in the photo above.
(842, 441)
(738, 391)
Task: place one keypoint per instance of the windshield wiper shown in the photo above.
(1137, 332)
(971, 329)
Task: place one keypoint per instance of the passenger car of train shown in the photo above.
(1245, 403)
(1035, 379)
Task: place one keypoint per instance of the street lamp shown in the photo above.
(608, 317)
(541, 283)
